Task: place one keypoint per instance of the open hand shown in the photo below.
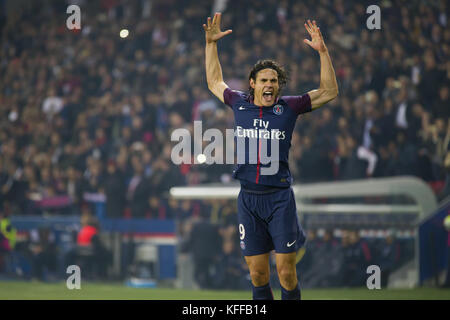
(316, 41)
(212, 29)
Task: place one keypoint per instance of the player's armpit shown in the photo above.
(218, 88)
(321, 96)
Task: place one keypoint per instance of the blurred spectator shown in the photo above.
(231, 271)
(406, 157)
(115, 191)
(308, 259)
(173, 209)
(351, 163)
(440, 107)
(330, 250)
(138, 189)
(446, 224)
(205, 244)
(324, 261)
(389, 257)
(52, 104)
(446, 188)
(156, 208)
(74, 187)
(91, 254)
(43, 254)
(357, 257)
(431, 77)
(7, 242)
(232, 268)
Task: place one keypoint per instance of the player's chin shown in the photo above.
(268, 101)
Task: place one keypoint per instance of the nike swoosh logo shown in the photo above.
(290, 244)
(241, 108)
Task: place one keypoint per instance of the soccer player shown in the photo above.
(267, 214)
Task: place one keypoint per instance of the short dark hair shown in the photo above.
(268, 64)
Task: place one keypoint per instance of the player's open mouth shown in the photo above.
(267, 96)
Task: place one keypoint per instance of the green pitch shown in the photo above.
(117, 291)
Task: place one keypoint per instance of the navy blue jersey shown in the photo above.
(274, 122)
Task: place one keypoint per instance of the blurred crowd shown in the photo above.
(87, 112)
(340, 258)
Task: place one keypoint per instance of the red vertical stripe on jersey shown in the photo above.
(259, 150)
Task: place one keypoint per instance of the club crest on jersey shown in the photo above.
(242, 245)
(278, 109)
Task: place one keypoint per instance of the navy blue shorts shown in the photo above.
(269, 221)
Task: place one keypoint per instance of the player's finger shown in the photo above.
(225, 33)
(307, 29)
(320, 33)
(209, 22)
(307, 26)
(204, 27)
(214, 19)
(307, 42)
(311, 27)
(219, 18)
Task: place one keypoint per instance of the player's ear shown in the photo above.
(252, 83)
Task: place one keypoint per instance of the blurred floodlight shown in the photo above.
(201, 158)
(124, 33)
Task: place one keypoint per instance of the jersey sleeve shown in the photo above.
(230, 97)
(300, 104)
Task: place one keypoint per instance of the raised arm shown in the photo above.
(328, 89)
(213, 69)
